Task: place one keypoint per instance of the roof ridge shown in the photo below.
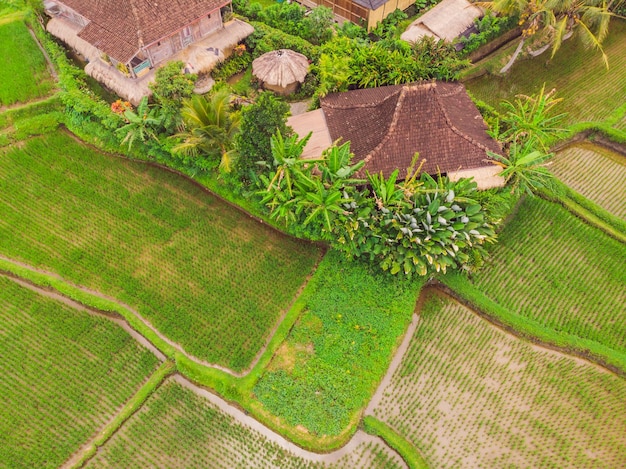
(394, 122)
(133, 9)
(452, 126)
(363, 105)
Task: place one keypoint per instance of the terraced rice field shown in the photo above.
(553, 268)
(469, 395)
(23, 74)
(206, 275)
(178, 428)
(595, 172)
(64, 375)
(590, 92)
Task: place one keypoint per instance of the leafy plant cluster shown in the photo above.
(489, 27)
(234, 64)
(416, 226)
(347, 64)
(292, 18)
(266, 39)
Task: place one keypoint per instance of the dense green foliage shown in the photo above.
(177, 427)
(316, 27)
(489, 27)
(24, 74)
(467, 393)
(170, 87)
(415, 226)
(345, 63)
(64, 373)
(207, 137)
(341, 346)
(259, 121)
(203, 273)
(266, 39)
(556, 270)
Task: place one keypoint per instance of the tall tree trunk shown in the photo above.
(513, 57)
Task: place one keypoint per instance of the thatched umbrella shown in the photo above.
(281, 70)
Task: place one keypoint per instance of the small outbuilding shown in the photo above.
(445, 21)
(281, 70)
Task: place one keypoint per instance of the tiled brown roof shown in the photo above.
(387, 125)
(121, 27)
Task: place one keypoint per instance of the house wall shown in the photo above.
(343, 8)
(167, 47)
(376, 16)
(210, 23)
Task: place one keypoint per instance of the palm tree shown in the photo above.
(524, 168)
(288, 161)
(141, 124)
(529, 120)
(210, 128)
(553, 21)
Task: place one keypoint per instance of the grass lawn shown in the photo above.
(178, 428)
(23, 74)
(340, 348)
(590, 92)
(470, 395)
(64, 375)
(551, 267)
(206, 275)
(595, 172)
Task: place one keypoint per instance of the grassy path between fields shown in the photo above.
(41, 281)
(90, 448)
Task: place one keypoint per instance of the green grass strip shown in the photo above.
(89, 300)
(588, 211)
(127, 411)
(461, 289)
(409, 453)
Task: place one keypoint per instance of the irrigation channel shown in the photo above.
(358, 438)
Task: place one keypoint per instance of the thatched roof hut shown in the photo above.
(446, 20)
(281, 70)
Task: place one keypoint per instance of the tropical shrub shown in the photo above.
(170, 87)
(489, 27)
(416, 226)
(259, 121)
(208, 136)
